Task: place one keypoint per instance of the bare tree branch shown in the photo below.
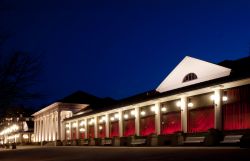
(18, 73)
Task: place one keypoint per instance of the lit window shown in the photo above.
(189, 77)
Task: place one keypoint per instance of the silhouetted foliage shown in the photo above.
(18, 73)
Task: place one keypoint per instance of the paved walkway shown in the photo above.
(76, 153)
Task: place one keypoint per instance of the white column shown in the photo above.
(44, 127)
(107, 125)
(137, 121)
(35, 127)
(86, 129)
(70, 129)
(37, 130)
(40, 129)
(77, 130)
(95, 127)
(157, 118)
(54, 126)
(59, 132)
(120, 123)
(49, 127)
(184, 117)
(218, 109)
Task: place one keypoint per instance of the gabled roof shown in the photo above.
(239, 71)
(204, 71)
(79, 97)
(239, 67)
(86, 101)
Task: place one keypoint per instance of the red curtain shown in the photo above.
(73, 136)
(102, 132)
(91, 132)
(236, 115)
(114, 129)
(200, 119)
(129, 127)
(82, 135)
(171, 122)
(147, 125)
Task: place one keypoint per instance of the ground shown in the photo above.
(74, 153)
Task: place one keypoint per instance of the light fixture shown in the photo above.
(152, 108)
(67, 125)
(90, 122)
(67, 131)
(125, 116)
(178, 103)
(224, 98)
(103, 118)
(82, 130)
(101, 121)
(74, 124)
(25, 136)
(82, 123)
(143, 113)
(212, 97)
(190, 104)
(112, 118)
(132, 112)
(116, 115)
(163, 109)
(100, 127)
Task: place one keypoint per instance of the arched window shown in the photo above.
(189, 77)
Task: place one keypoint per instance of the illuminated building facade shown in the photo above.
(195, 97)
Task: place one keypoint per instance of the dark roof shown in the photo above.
(239, 71)
(80, 97)
(239, 67)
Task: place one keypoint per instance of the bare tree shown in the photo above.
(18, 73)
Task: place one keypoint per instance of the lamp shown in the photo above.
(190, 104)
(117, 116)
(74, 124)
(163, 109)
(125, 116)
(224, 98)
(82, 130)
(212, 97)
(143, 113)
(152, 108)
(103, 118)
(82, 123)
(178, 103)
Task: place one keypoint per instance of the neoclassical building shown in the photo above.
(48, 121)
(195, 97)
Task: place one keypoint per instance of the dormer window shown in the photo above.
(189, 77)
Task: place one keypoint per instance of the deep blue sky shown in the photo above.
(121, 48)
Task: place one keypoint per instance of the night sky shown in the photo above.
(121, 48)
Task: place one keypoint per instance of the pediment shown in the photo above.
(184, 74)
